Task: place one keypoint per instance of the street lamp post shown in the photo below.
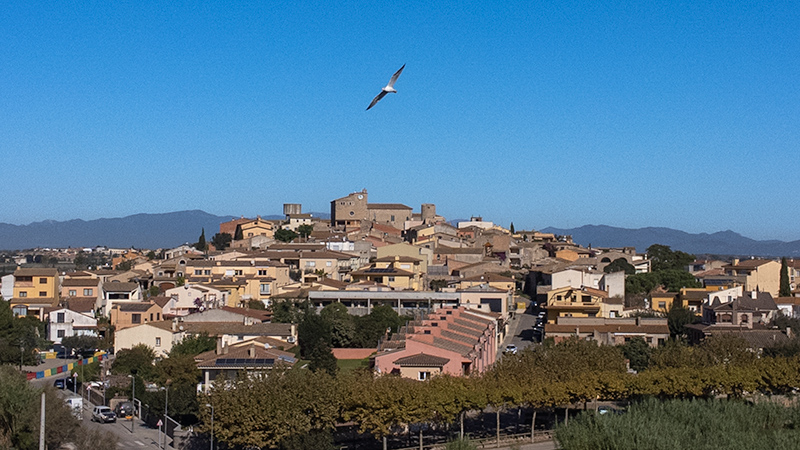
(166, 404)
(209, 405)
(133, 398)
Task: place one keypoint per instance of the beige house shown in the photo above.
(424, 255)
(402, 273)
(581, 302)
(131, 314)
(762, 275)
(654, 331)
(160, 336)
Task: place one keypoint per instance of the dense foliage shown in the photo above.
(20, 337)
(267, 409)
(19, 418)
(682, 424)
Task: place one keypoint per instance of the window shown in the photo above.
(23, 294)
(151, 317)
(423, 376)
(612, 314)
(88, 292)
(158, 342)
(662, 305)
(405, 266)
(136, 318)
(328, 263)
(311, 263)
(42, 294)
(158, 316)
(264, 289)
(207, 272)
(73, 293)
(60, 317)
(559, 298)
(392, 219)
(42, 280)
(238, 272)
(61, 333)
(262, 272)
(198, 271)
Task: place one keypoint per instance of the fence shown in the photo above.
(66, 368)
(491, 442)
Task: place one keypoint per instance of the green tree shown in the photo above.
(305, 230)
(511, 228)
(151, 255)
(637, 352)
(677, 319)
(82, 344)
(785, 289)
(620, 265)
(194, 345)
(238, 235)
(201, 241)
(663, 258)
(221, 241)
(285, 235)
(154, 291)
(139, 358)
(341, 324)
(256, 304)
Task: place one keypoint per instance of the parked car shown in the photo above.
(125, 409)
(511, 348)
(67, 383)
(103, 414)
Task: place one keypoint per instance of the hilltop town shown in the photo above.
(378, 288)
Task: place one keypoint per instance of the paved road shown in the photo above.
(142, 437)
(520, 331)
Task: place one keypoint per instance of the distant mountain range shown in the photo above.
(720, 243)
(169, 230)
(140, 231)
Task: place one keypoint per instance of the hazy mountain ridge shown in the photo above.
(139, 230)
(720, 243)
(175, 228)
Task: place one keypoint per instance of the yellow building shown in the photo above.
(581, 302)
(34, 290)
(398, 272)
(492, 279)
(761, 275)
(663, 301)
(244, 280)
(257, 227)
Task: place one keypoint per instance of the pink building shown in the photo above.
(454, 340)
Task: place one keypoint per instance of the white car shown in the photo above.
(103, 414)
(511, 348)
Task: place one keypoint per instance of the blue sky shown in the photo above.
(683, 115)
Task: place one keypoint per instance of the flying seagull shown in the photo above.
(389, 88)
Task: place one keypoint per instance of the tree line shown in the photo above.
(284, 406)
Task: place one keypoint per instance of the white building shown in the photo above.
(66, 323)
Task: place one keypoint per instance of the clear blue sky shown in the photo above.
(684, 114)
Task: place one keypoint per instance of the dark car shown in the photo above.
(67, 383)
(103, 414)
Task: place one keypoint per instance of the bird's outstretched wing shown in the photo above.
(376, 99)
(394, 77)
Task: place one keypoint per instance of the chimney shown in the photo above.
(251, 352)
(789, 332)
(175, 324)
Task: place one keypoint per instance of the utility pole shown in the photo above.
(41, 425)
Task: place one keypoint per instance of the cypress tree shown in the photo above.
(201, 242)
(785, 290)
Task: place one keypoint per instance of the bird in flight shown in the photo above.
(389, 88)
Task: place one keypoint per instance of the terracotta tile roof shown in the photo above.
(221, 328)
(353, 353)
(421, 360)
(748, 264)
(160, 300)
(133, 306)
(622, 328)
(81, 304)
(248, 355)
(119, 286)
(399, 258)
(80, 282)
(490, 277)
(387, 206)
(262, 315)
(35, 272)
(447, 344)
